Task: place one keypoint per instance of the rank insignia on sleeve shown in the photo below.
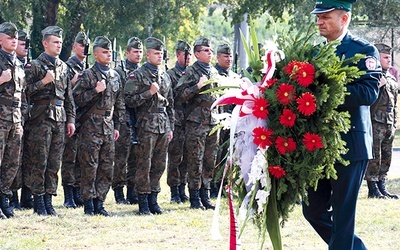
(370, 63)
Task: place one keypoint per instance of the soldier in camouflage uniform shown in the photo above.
(384, 119)
(224, 67)
(21, 53)
(200, 147)
(98, 93)
(124, 165)
(70, 170)
(149, 91)
(12, 85)
(52, 116)
(177, 170)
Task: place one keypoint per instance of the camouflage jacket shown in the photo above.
(197, 105)
(384, 109)
(179, 107)
(13, 104)
(102, 111)
(154, 113)
(74, 67)
(53, 100)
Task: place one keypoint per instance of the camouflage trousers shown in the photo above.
(151, 161)
(45, 144)
(10, 150)
(200, 153)
(122, 151)
(132, 166)
(70, 169)
(96, 157)
(176, 169)
(378, 167)
(17, 183)
(24, 168)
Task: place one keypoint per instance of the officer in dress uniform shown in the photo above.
(12, 85)
(177, 170)
(149, 91)
(70, 170)
(52, 116)
(98, 94)
(125, 165)
(332, 205)
(200, 147)
(384, 120)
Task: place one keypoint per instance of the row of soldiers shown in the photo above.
(106, 127)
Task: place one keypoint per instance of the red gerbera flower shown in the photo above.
(305, 74)
(285, 145)
(307, 104)
(287, 118)
(262, 137)
(312, 141)
(277, 171)
(291, 67)
(285, 93)
(260, 108)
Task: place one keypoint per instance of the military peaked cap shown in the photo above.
(134, 42)
(81, 38)
(323, 6)
(154, 43)
(102, 42)
(202, 41)
(224, 49)
(9, 28)
(22, 35)
(383, 48)
(182, 46)
(53, 31)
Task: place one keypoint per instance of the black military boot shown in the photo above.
(77, 197)
(7, 210)
(2, 216)
(182, 194)
(69, 197)
(195, 202)
(26, 198)
(153, 205)
(131, 196)
(175, 196)
(119, 196)
(205, 198)
(373, 190)
(143, 204)
(14, 201)
(38, 205)
(48, 204)
(99, 208)
(382, 188)
(88, 207)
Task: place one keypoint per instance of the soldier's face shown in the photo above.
(204, 54)
(180, 57)
(21, 51)
(8, 43)
(79, 50)
(332, 24)
(53, 45)
(224, 60)
(154, 57)
(134, 55)
(103, 56)
(386, 60)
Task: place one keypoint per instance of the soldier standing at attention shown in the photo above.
(384, 119)
(125, 166)
(11, 119)
(21, 53)
(200, 148)
(177, 170)
(70, 170)
(98, 93)
(149, 90)
(52, 116)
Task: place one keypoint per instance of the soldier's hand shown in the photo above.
(70, 129)
(200, 84)
(154, 88)
(100, 86)
(116, 134)
(170, 135)
(48, 78)
(74, 79)
(5, 76)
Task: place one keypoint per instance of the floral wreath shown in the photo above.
(286, 128)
